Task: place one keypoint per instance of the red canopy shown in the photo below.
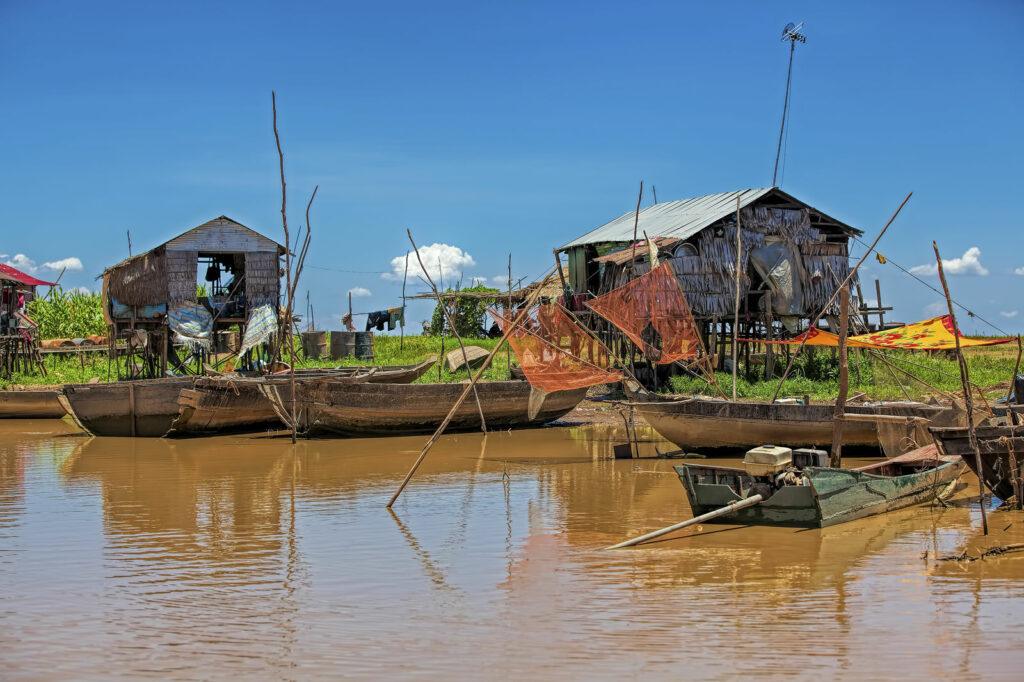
(9, 273)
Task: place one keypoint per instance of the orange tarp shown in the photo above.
(653, 313)
(555, 353)
(934, 334)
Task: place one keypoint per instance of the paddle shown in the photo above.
(741, 504)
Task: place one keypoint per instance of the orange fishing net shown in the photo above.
(653, 312)
(934, 334)
(555, 353)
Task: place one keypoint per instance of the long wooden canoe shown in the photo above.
(399, 409)
(226, 404)
(826, 496)
(701, 424)
(142, 408)
(1001, 447)
(42, 404)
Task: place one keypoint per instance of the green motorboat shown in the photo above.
(816, 496)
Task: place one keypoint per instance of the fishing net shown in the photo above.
(652, 311)
(555, 353)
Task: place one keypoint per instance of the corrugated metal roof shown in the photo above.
(14, 275)
(222, 234)
(684, 218)
(680, 219)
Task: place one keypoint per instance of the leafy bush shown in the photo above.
(68, 314)
(469, 313)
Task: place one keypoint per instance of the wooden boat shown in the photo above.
(143, 408)
(701, 424)
(223, 404)
(823, 496)
(41, 404)
(399, 409)
(1001, 449)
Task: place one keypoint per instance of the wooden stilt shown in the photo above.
(836, 454)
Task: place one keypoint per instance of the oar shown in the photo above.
(741, 504)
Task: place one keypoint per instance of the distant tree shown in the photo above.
(469, 313)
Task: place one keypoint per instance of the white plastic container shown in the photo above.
(767, 460)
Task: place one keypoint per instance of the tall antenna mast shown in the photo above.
(792, 34)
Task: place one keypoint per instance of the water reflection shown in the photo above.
(231, 556)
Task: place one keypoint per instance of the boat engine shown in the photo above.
(773, 467)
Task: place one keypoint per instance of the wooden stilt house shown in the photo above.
(221, 266)
(793, 258)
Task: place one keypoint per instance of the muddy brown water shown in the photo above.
(226, 557)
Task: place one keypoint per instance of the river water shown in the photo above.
(226, 557)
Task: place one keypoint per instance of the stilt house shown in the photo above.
(222, 265)
(793, 258)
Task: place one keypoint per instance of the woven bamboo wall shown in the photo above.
(141, 280)
(262, 278)
(181, 276)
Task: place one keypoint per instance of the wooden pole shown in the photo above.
(736, 313)
(735, 506)
(636, 223)
(287, 260)
(836, 454)
(803, 342)
(508, 313)
(469, 387)
(769, 333)
(1009, 392)
(968, 399)
(451, 321)
(862, 305)
(881, 313)
(401, 340)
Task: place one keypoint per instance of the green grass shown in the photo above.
(68, 314)
(817, 375)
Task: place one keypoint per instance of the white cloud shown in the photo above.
(70, 263)
(28, 265)
(935, 309)
(1016, 271)
(500, 281)
(356, 292)
(83, 290)
(439, 259)
(967, 264)
(23, 263)
(1008, 315)
(473, 281)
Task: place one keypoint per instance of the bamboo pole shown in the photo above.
(968, 400)
(287, 260)
(636, 223)
(736, 313)
(836, 453)
(1013, 378)
(508, 349)
(469, 387)
(846, 281)
(735, 506)
(401, 340)
(451, 321)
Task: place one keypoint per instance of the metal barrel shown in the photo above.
(343, 345)
(314, 344)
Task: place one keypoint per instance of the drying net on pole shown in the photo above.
(652, 311)
(555, 353)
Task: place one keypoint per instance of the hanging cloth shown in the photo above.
(192, 325)
(261, 326)
(377, 320)
(396, 317)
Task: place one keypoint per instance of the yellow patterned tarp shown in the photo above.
(934, 334)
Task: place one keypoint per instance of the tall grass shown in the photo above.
(68, 314)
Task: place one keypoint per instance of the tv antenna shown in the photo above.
(791, 33)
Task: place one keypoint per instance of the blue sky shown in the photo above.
(510, 128)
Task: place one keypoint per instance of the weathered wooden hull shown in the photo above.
(704, 424)
(834, 495)
(223, 405)
(1001, 448)
(30, 405)
(143, 409)
(393, 409)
